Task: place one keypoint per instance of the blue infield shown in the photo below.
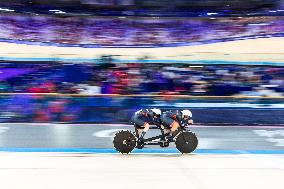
(145, 150)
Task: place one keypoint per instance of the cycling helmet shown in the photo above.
(186, 113)
(156, 111)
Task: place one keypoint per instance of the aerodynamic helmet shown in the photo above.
(156, 111)
(186, 113)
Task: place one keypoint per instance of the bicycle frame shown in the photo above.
(150, 141)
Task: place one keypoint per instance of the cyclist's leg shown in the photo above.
(167, 122)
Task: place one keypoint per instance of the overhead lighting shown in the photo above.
(211, 13)
(7, 10)
(196, 66)
(56, 11)
(259, 24)
(272, 11)
(60, 12)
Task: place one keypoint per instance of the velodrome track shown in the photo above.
(36, 137)
(267, 50)
(56, 156)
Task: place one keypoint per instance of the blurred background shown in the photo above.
(98, 61)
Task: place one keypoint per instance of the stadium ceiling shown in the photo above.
(145, 7)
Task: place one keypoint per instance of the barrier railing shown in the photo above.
(145, 95)
(115, 108)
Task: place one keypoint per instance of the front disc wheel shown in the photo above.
(186, 142)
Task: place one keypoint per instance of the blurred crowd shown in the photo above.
(133, 31)
(132, 78)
